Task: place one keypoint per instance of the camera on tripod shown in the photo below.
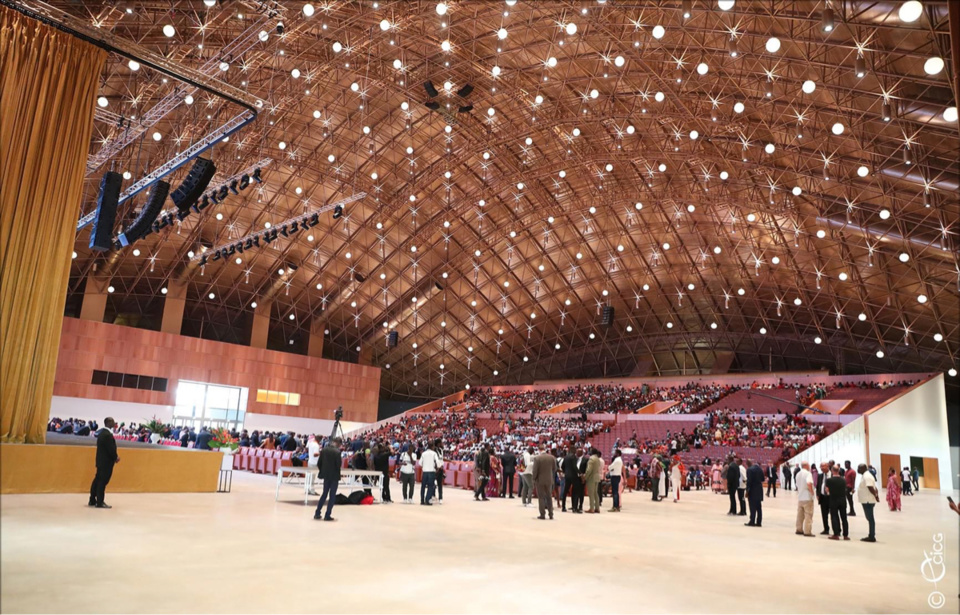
(338, 414)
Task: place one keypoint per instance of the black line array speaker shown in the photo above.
(141, 227)
(194, 184)
(607, 319)
(101, 236)
(393, 338)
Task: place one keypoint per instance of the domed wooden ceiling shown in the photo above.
(768, 185)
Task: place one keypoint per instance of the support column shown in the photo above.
(315, 342)
(94, 304)
(261, 325)
(173, 306)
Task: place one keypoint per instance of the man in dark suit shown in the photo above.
(508, 462)
(579, 493)
(836, 490)
(823, 500)
(544, 473)
(772, 479)
(755, 493)
(570, 479)
(329, 466)
(481, 467)
(203, 439)
(733, 480)
(106, 458)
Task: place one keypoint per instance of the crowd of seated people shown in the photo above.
(77, 427)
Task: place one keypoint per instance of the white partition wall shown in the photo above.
(914, 425)
(847, 443)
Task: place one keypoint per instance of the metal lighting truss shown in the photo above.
(220, 180)
(174, 99)
(198, 79)
(295, 221)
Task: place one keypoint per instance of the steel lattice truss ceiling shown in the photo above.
(513, 227)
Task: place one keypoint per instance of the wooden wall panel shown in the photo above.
(322, 384)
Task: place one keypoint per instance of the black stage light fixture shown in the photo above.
(101, 236)
(194, 184)
(393, 338)
(141, 226)
(338, 212)
(233, 187)
(256, 176)
(431, 89)
(244, 181)
(607, 319)
(465, 91)
(465, 109)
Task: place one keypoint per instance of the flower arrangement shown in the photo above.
(222, 439)
(154, 425)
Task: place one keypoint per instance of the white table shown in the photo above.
(350, 481)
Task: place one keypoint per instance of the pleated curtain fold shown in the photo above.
(48, 87)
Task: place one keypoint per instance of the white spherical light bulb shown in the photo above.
(571, 28)
(837, 128)
(169, 31)
(702, 68)
(910, 11)
(808, 86)
(933, 65)
(441, 8)
(659, 31)
(773, 44)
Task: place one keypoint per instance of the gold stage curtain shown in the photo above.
(48, 87)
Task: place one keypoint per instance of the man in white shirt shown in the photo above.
(429, 461)
(408, 472)
(742, 490)
(805, 500)
(868, 496)
(526, 491)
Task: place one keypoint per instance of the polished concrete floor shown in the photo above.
(242, 552)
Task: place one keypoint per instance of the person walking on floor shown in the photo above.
(592, 479)
(755, 493)
(676, 478)
(408, 473)
(836, 489)
(381, 463)
(616, 474)
(429, 462)
(481, 470)
(893, 491)
(804, 500)
(850, 476)
(544, 476)
(655, 470)
(329, 467)
(106, 458)
(508, 465)
(772, 479)
(906, 486)
(733, 480)
(441, 468)
(915, 479)
(526, 477)
(868, 496)
(787, 476)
